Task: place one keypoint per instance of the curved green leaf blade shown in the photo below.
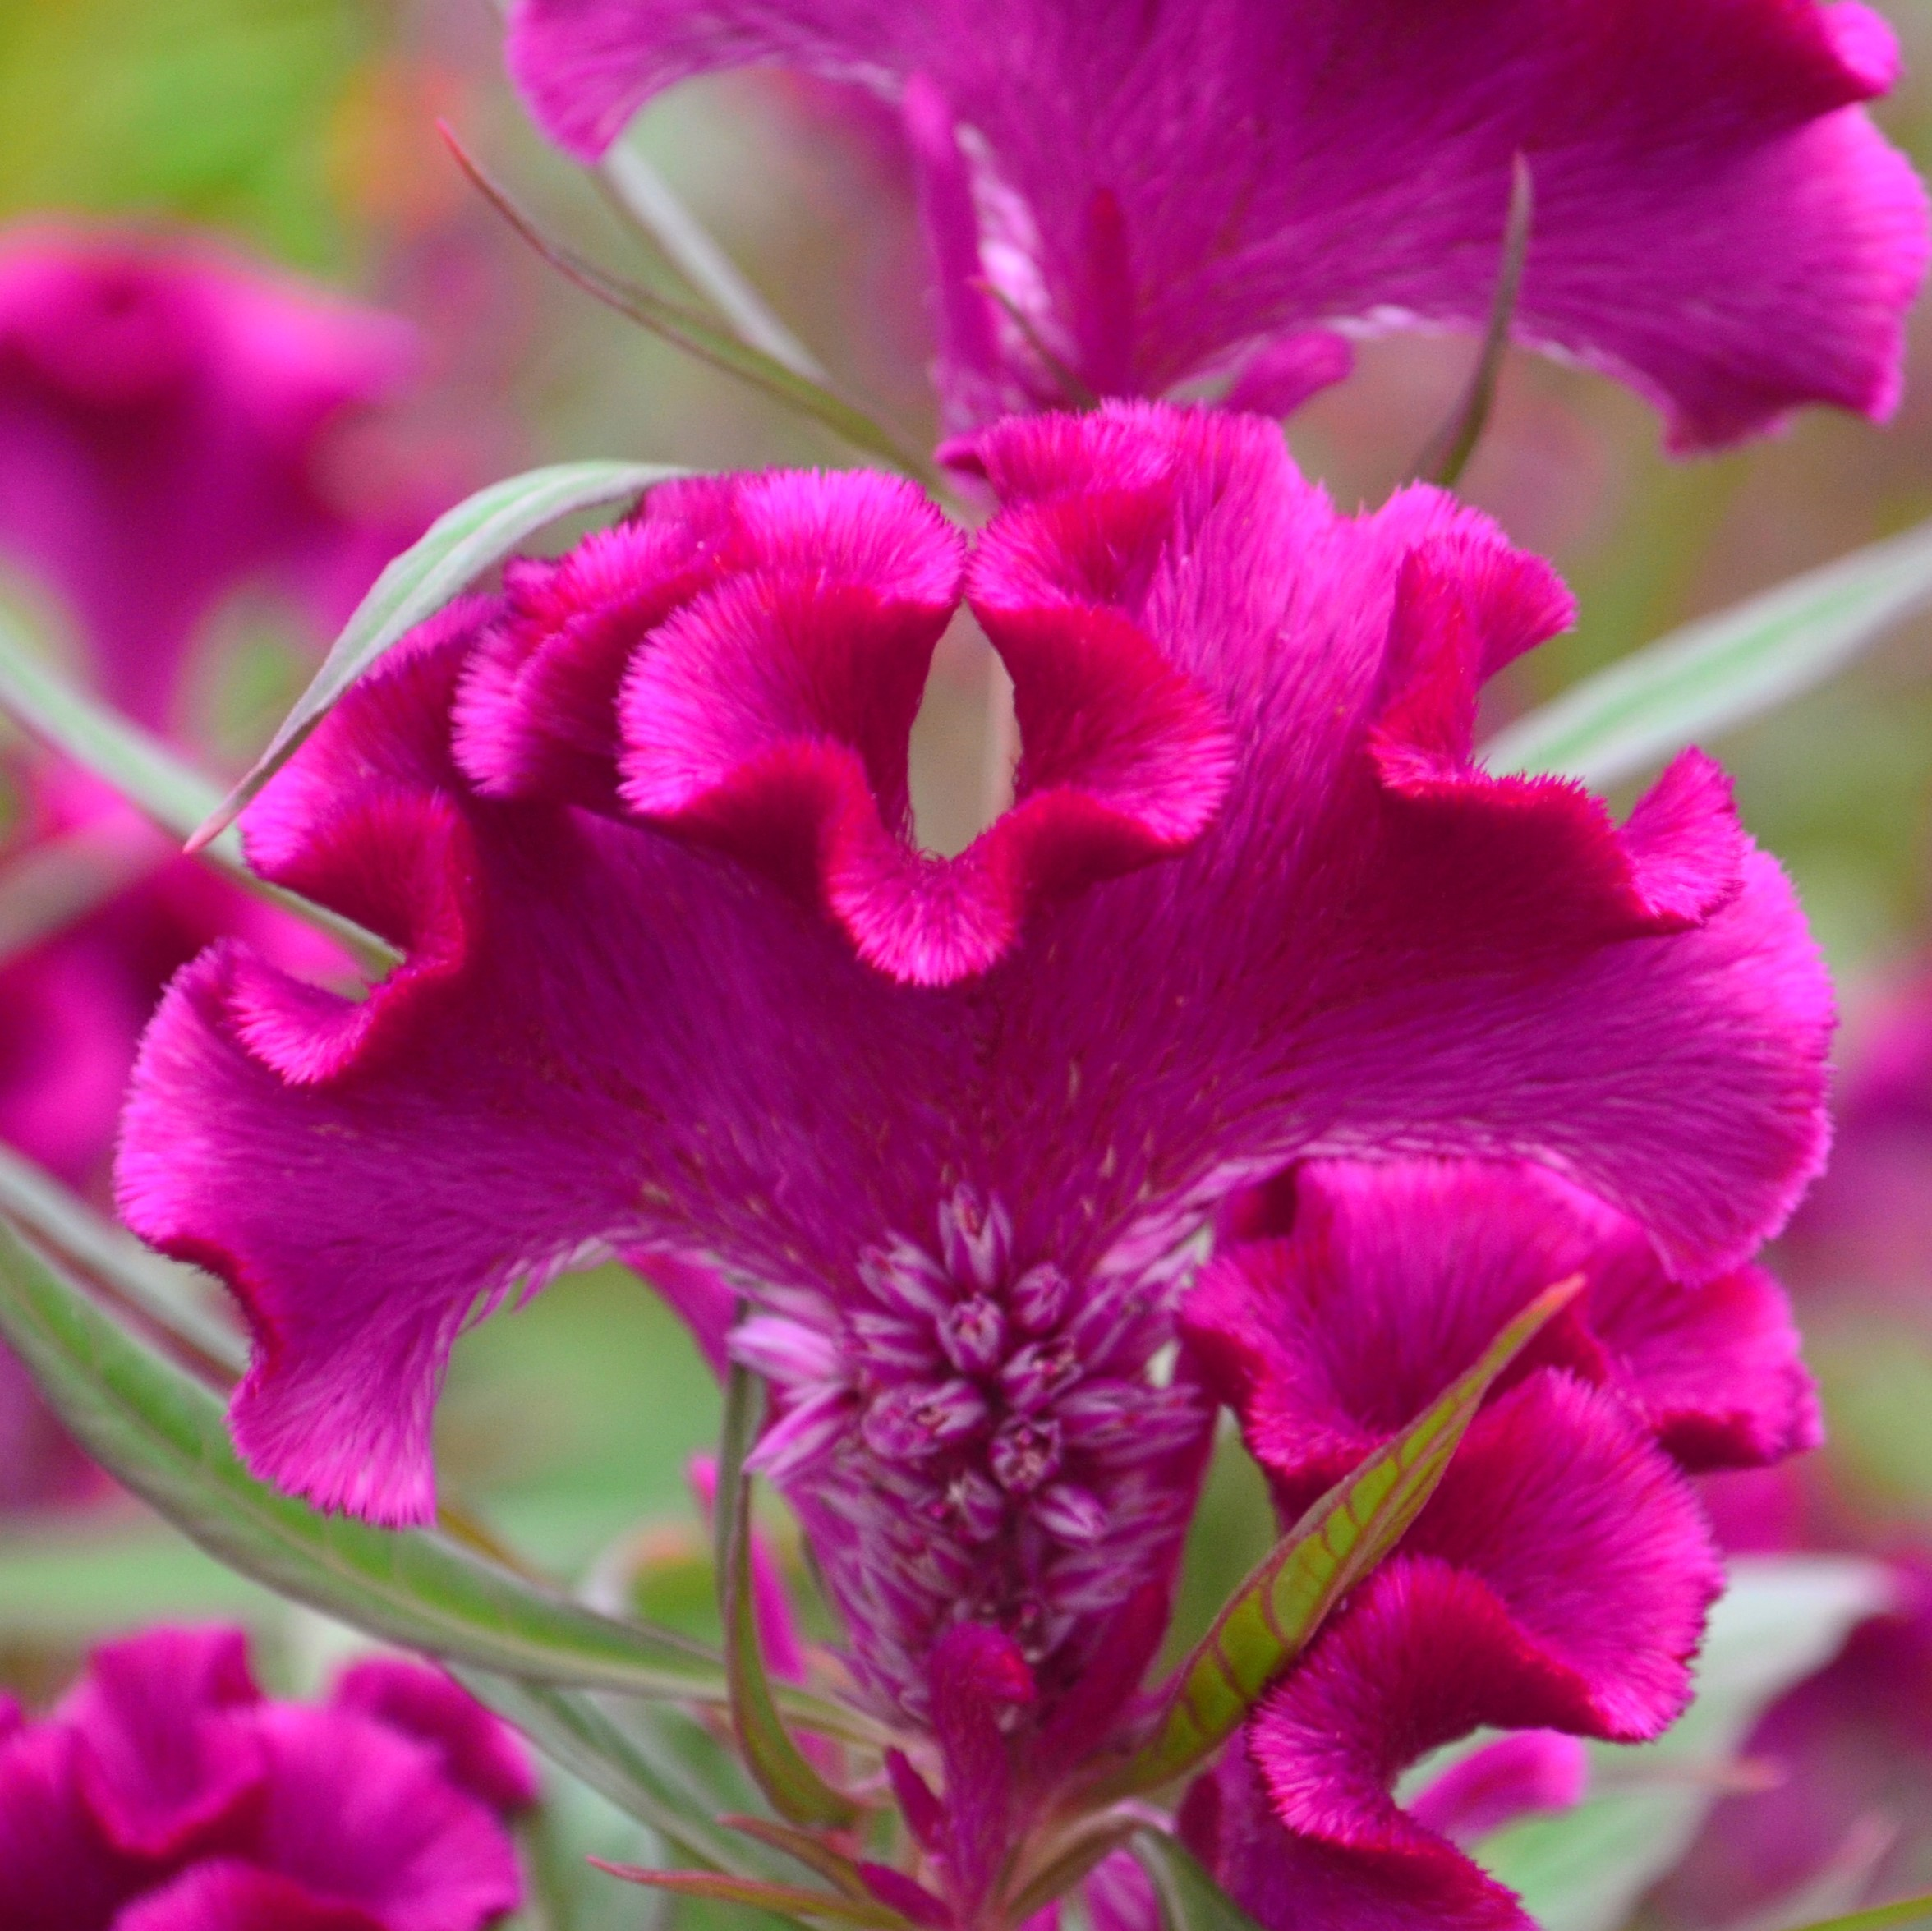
(648, 200)
(1191, 1900)
(152, 779)
(162, 1289)
(457, 548)
(791, 1900)
(1907, 1911)
(1724, 670)
(698, 335)
(1270, 1619)
(569, 1728)
(161, 1432)
(1448, 451)
(796, 1790)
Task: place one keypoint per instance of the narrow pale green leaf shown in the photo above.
(803, 1847)
(151, 778)
(1781, 1619)
(568, 1727)
(698, 335)
(1721, 671)
(457, 548)
(164, 1290)
(1906, 1911)
(1450, 449)
(793, 1901)
(162, 1433)
(1191, 1900)
(796, 1790)
(647, 199)
(1275, 1613)
(58, 882)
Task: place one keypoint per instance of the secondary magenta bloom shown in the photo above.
(165, 412)
(167, 1794)
(1139, 195)
(679, 984)
(1558, 1580)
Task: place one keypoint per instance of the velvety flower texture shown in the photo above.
(164, 414)
(679, 985)
(167, 1794)
(1558, 1580)
(1134, 195)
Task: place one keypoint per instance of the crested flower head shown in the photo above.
(1555, 1585)
(1122, 197)
(167, 1794)
(162, 413)
(680, 985)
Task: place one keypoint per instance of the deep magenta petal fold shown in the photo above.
(961, 1191)
(1133, 195)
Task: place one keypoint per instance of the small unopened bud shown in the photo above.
(1070, 1515)
(1038, 1300)
(1024, 1453)
(973, 1335)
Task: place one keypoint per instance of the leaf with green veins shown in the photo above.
(162, 1433)
(455, 549)
(152, 777)
(796, 1790)
(1721, 671)
(1191, 1900)
(791, 1900)
(1274, 1615)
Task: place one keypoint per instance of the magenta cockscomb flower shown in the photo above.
(167, 1794)
(1556, 1582)
(680, 984)
(1126, 197)
(163, 413)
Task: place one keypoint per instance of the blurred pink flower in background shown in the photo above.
(172, 430)
(167, 1794)
(1120, 198)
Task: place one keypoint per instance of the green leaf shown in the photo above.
(1907, 1911)
(1191, 1900)
(1721, 671)
(1450, 449)
(162, 1433)
(1270, 1619)
(166, 1292)
(646, 198)
(1781, 1619)
(151, 778)
(793, 1900)
(698, 335)
(570, 1728)
(784, 1774)
(457, 548)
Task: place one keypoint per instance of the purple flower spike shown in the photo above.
(679, 982)
(166, 1795)
(1123, 196)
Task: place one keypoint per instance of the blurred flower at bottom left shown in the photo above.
(167, 1793)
